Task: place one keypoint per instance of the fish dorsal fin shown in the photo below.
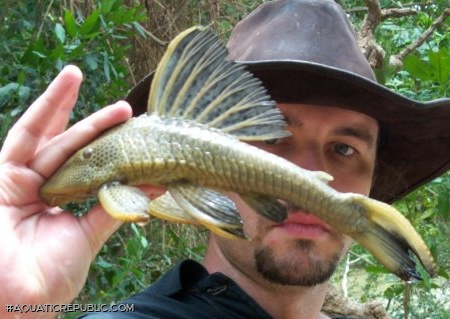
(194, 81)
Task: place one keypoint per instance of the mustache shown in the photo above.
(290, 208)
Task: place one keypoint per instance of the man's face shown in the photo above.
(303, 250)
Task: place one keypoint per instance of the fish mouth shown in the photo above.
(61, 198)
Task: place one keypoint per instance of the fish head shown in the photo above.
(82, 175)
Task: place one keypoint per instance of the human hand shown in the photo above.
(46, 252)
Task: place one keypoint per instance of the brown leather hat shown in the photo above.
(305, 51)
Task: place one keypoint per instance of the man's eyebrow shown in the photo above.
(292, 121)
(360, 133)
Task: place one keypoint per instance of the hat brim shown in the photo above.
(418, 149)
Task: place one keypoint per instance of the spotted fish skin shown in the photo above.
(201, 110)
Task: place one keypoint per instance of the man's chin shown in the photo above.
(306, 270)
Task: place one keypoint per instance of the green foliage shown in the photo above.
(426, 72)
(137, 256)
(96, 41)
(432, 69)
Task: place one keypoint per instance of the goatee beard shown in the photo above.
(290, 272)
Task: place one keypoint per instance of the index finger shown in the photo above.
(47, 116)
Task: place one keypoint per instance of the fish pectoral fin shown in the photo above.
(165, 207)
(390, 237)
(210, 208)
(125, 203)
(266, 206)
(194, 81)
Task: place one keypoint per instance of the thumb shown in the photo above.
(98, 226)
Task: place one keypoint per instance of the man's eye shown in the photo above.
(344, 149)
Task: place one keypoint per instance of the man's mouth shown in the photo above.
(301, 223)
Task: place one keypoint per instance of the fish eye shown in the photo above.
(87, 153)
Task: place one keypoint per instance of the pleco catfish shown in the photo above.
(200, 110)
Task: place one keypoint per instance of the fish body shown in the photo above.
(201, 110)
(161, 151)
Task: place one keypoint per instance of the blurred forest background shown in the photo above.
(117, 42)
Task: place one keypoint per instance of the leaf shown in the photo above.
(70, 24)
(141, 238)
(5, 122)
(39, 49)
(440, 63)
(127, 16)
(12, 89)
(57, 53)
(107, 5)
(60, 33)
(427, 214)
(118, 278)
(140, 29)
(132, 247)
(443, 273)
(21, 77)
(376, 269)
(117, 16)
(90, 36)
(443, 204)
(436, 69)
(172, 235)
(418, 68)
(144, 242)
(90, 22)
(7, 91)
(106, 69)
(394, 290)
(102, 263)
(39, 54)
(91, 61)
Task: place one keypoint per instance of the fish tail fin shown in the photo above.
(391, 238)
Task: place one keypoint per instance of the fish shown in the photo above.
(202, 112)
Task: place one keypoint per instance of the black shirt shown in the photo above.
(188, 291)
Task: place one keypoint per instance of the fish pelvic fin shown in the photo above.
(125, 203)
(391, 238)
(194, 81)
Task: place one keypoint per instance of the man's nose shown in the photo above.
(310, 157)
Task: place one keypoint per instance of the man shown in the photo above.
(370, 139)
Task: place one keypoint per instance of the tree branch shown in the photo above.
(375, 15)
(396, 13)
(404, 6)
(366, 36)
(397, 60)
